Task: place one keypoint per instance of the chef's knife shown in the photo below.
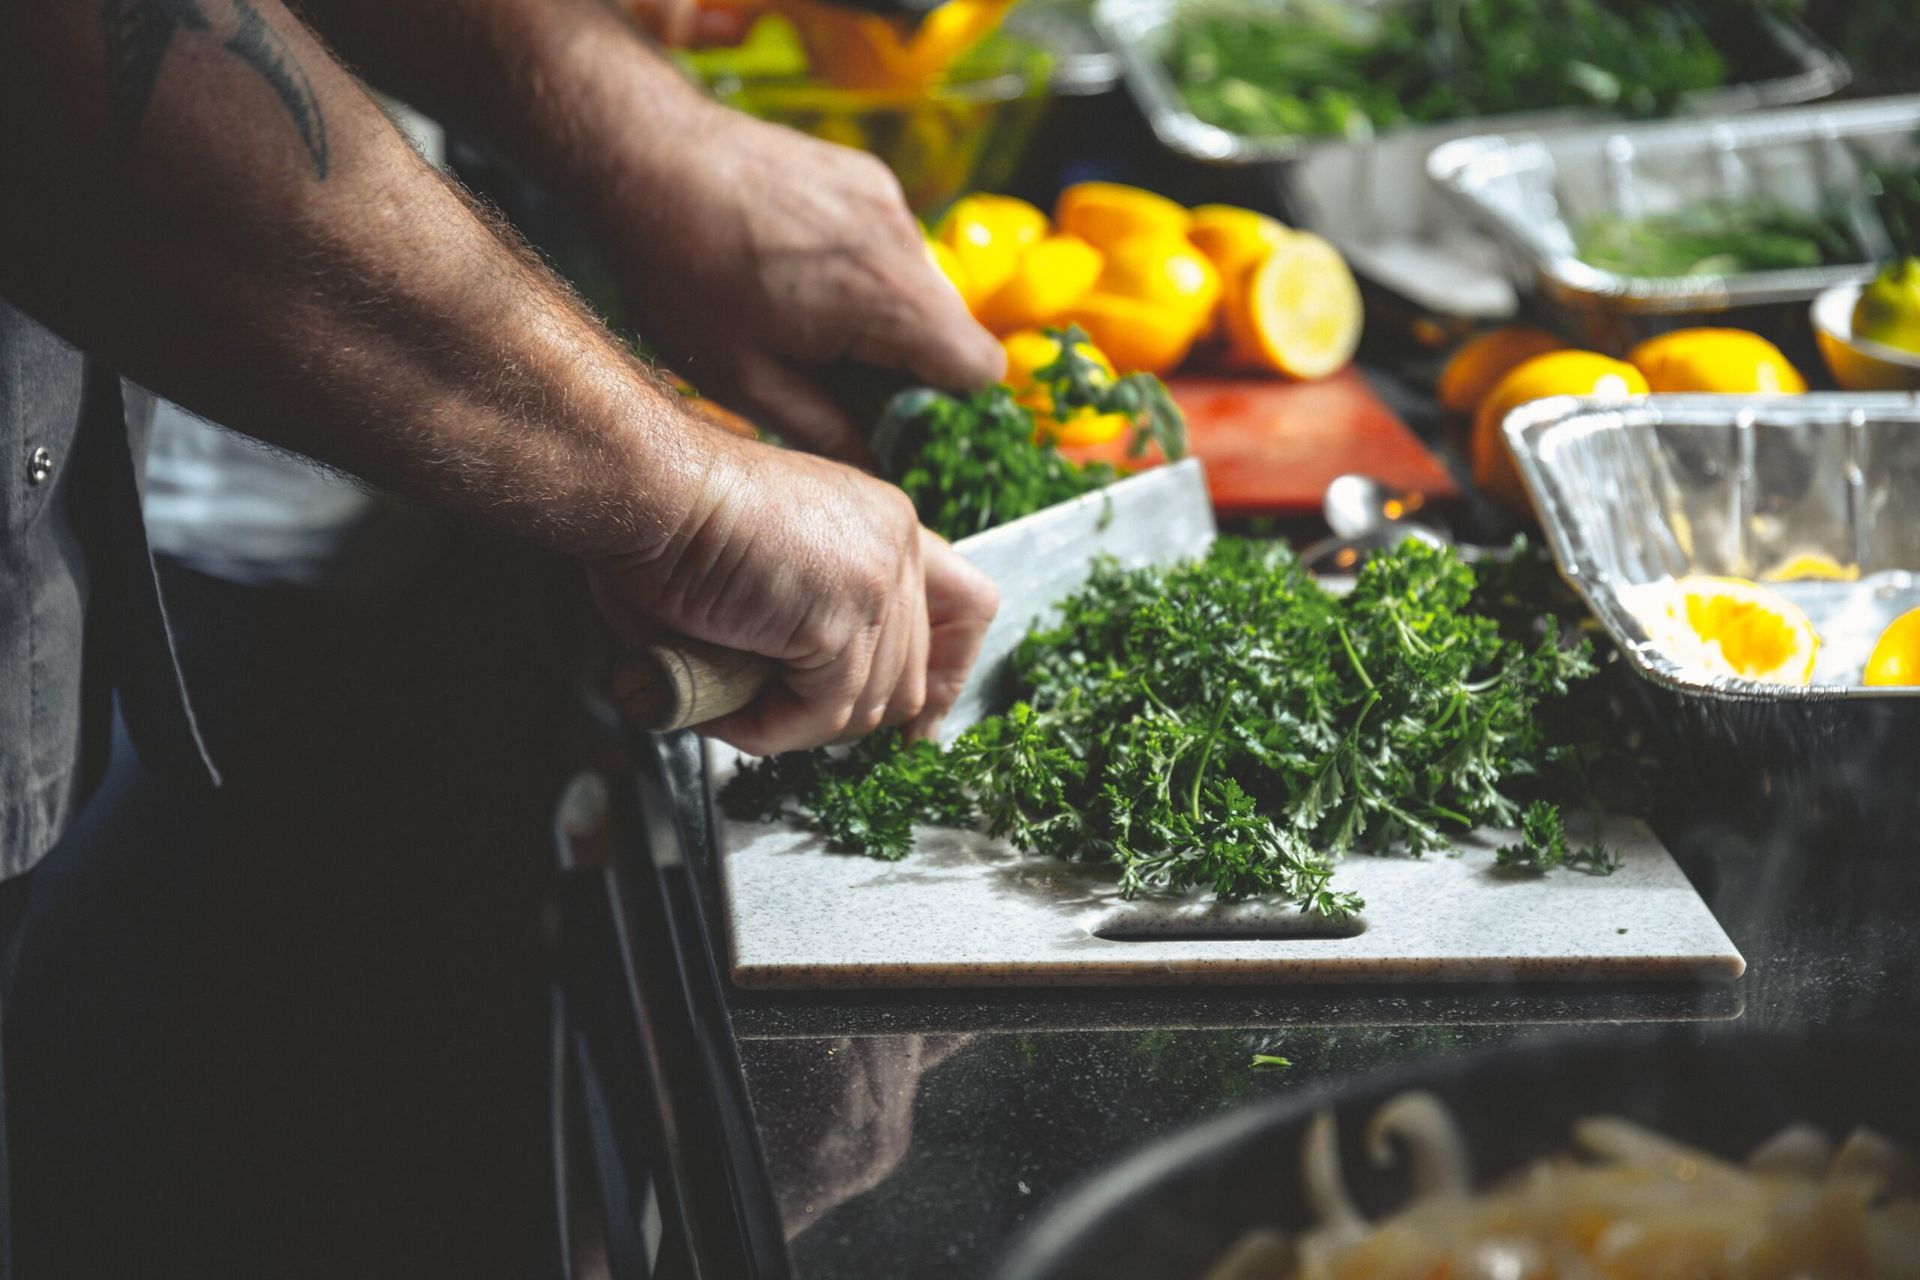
(1161, 515)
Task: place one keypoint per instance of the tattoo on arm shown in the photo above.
(138, 33)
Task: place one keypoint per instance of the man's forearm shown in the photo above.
(204, 197)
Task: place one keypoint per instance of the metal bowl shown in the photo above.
(1173, 1210)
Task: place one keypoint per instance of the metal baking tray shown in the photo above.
(1643, 491)
(1534, 192)
(1372, 196)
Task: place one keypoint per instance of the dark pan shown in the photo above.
(1172, 1210)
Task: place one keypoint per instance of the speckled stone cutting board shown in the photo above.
(967, 911)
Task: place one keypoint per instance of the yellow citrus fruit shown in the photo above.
(1812, 566)
(988, 233)
(948, 264)
(1104, 212)
(1557, 373)
(1727, 627)
(1234, 239)
(1481, 362)
(1084, 425)
(1049, 277)
(1030, 351)
(1298, 311)
(1727, 361)
(1896, 655)
(1137, 336)
(1165, 271)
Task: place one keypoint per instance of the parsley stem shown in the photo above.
(1206, 754)
(1340, 629)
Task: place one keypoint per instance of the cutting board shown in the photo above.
(964, 910)
(1271, 446)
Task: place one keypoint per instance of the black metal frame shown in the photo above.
(651, 1120)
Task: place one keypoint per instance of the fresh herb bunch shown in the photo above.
(1311, 67)
(970, 464)
(1228, 722)
(1723, 237)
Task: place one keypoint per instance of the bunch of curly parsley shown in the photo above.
(1228, 722)
(970, 464)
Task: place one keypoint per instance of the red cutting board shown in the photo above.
(1271, 447)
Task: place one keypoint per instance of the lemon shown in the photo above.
(1030, 351)
(1728, 627)
(1137, 336)
(1481, 362)
(1557, 373)
(1234, 239)
(1722, 361)
(1165, 271)
(1888, 311)
(1102, 213)
(988, 234)
(1049, 277)
(1083, 426)
(1298, 311)
(1812, 566)
(948, 264)
(1896, 655)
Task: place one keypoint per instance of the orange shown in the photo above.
(1724, 361)
(1165, 271)
(988, 234)
(1049, 277)
(1298, 311)
(1481, 362)
(1030, 351)
(1896, 656)
(1104, 212)
(1234, 239)
(1557, 373)
(1137, 336)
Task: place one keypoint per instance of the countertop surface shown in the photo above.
(911, 1133)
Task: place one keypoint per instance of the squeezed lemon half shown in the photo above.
(1728, 627)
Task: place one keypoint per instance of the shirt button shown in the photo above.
(39, 465)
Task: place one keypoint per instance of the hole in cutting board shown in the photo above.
(1147, 922)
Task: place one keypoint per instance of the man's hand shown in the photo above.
(874, 620)
(770, 256)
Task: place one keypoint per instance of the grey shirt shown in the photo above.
(80, 612)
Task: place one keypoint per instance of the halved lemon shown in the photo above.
(1298, 312)
(1728, 627)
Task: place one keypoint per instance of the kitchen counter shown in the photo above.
(910, 1134)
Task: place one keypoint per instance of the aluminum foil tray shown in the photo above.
(1372, 197)
(1640, 492)
(1644, 491)
(1535, 191)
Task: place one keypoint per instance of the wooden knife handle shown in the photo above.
(677, 684)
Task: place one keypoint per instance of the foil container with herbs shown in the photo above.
(1639, 492)
(1368, 190)
(1545, 196)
